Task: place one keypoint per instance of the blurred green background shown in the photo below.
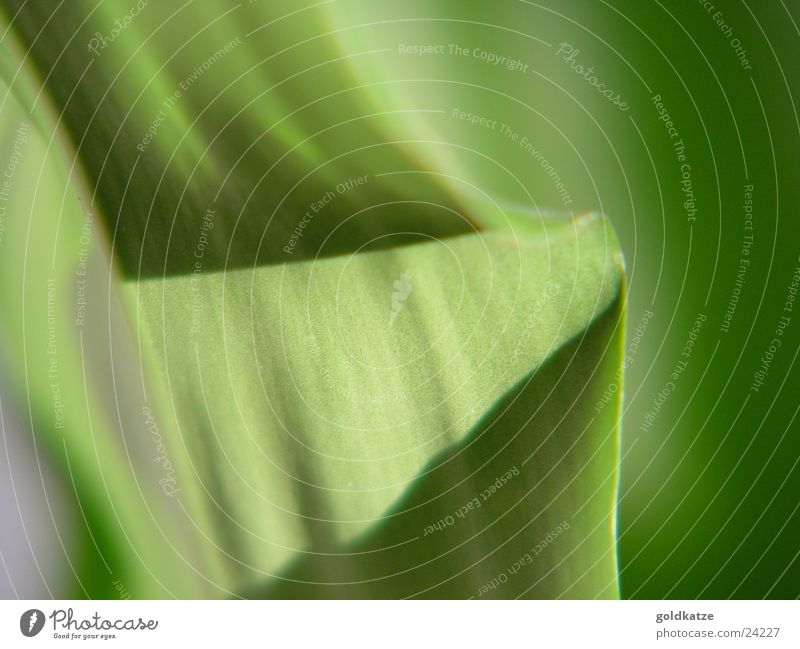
(692, 153)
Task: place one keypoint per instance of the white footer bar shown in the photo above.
(403, 625)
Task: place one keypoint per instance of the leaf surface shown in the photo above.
(275, 410)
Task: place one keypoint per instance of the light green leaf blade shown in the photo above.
(317, 415)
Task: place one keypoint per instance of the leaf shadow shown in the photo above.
(433, 544)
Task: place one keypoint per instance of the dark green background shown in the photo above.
(710, 493)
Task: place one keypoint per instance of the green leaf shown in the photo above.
(255, 407)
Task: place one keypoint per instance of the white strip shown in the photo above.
(411, 624)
